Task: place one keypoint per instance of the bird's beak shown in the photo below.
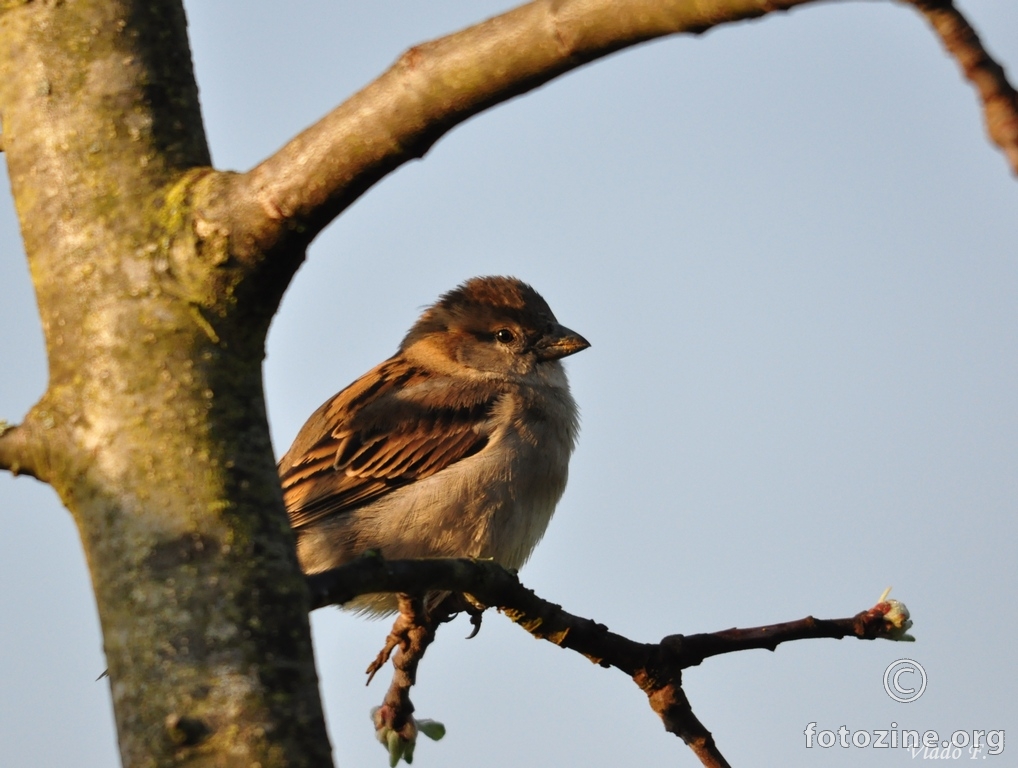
(560, 342)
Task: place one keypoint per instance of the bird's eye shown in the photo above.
(504, 336)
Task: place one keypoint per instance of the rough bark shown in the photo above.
(153, 427)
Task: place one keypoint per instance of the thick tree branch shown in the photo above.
(999, 98)
(438, 85)
(655, 667)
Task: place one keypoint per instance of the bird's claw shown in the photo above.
(475, 622)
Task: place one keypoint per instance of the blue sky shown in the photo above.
(794, 252)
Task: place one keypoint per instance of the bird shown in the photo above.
(456, 446)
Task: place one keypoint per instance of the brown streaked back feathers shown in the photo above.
(367, 441)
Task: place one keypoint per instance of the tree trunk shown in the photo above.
(153, 428)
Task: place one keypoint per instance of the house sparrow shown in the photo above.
(456, 446)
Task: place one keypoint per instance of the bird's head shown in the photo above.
(493, 326)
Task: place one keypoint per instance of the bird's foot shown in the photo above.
(398, 733)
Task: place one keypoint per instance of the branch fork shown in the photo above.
(656, 668)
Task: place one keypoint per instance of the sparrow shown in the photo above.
(456, 446)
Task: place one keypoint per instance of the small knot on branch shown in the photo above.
(15, 453)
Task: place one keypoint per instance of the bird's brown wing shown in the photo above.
(379, 434)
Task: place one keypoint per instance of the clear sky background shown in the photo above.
(796, 256)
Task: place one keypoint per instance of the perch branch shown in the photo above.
(999, 98)
(655, 667)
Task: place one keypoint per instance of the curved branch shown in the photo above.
(438, 85)
(655, 667)
(999, 98)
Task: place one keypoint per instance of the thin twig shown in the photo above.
(999, 98)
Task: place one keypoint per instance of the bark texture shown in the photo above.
(153, 427)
